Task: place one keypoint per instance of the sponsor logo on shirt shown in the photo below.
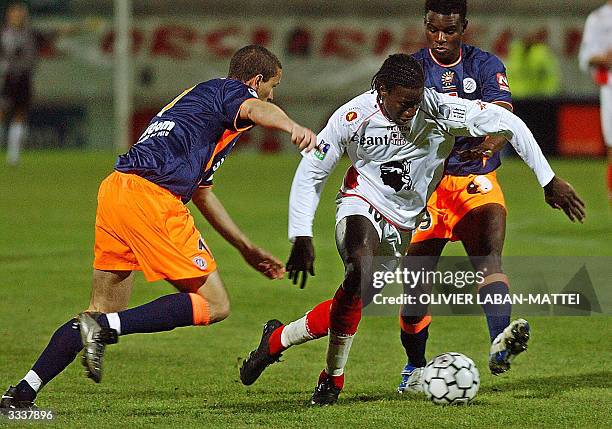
(394, 138)
(452, 112)
(321, 151)
(469, 85)
(502, 81)
(157, 129)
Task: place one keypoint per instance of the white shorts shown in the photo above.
(393, 241)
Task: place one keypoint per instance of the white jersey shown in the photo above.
(396, 168)
(597, 40)
(597, 37)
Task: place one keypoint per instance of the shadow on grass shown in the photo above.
(298, 402)
(549, 386)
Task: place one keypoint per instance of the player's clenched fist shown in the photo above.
(303, 138)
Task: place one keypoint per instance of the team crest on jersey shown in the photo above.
(200, 262)
(469, 85)
(447, 80)
(480, 185)
(350, 116)
(502, 81)
(396, 174)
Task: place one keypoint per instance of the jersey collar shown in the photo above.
(447, 65)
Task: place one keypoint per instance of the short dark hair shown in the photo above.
(447, 7)
(399, 70)
(252, 60)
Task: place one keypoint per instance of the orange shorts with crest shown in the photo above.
(454, 197)
(142, 226)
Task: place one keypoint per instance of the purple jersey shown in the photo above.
(189, 138)
(476, 75)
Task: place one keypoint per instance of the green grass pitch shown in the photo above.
(189, 377)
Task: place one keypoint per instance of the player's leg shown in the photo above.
(165, 246)
(610, 173)
(277, 337)
(414, 323)
(357, 241)
(606, 126)
(201, 301)
(15, 136)
(482, 232)
(20, 92)
(111, 292)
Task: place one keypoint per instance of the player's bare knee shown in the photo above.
(106, 307)
(219, 311)
(357, 272)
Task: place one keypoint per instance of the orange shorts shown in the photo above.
(454, 197)
(142, 226)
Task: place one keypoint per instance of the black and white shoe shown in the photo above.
(260, 358)
(327, 391)
(507, 345)
(10, 401)
(94, 338)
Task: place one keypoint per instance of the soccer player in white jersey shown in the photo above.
(397, 137)
(596, 57)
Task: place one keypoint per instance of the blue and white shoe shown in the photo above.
(412, 379)
(507, 345)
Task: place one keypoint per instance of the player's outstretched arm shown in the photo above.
(488, 147)
(559, 194)
(271, 116)
(484, 119)
(214, 212)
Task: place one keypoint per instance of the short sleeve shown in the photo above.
(495, 86)
(230, 97)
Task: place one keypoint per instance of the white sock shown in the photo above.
(114, 322)
(33, 380)
(338, 350)
(295, 333)
(16, 134)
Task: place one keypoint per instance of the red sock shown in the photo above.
(317, 319)
(338, 380)
(275, 345)
(610, 181)
(345, 312)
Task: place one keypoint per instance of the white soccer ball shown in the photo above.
(451, 378)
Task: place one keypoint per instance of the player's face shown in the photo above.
(401, 103)
(444, 35)
(265, 90)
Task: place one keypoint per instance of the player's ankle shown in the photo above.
(275, 345)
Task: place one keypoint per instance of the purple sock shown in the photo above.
(498, 315)
(63, 347)
(415, 345)
(163, 314)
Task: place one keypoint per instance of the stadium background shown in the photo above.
(189, 377)
(329, 51)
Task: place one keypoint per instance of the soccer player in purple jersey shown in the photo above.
(142, 222)
(468, 204)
